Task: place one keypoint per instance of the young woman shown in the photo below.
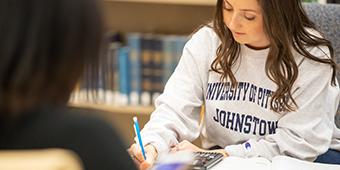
(266, 78)
(44, 47)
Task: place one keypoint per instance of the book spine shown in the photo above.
(112, 93)
(146, 56)
(134, 43)
(124, 76)
(157, 67)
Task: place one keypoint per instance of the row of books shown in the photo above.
(133, 71)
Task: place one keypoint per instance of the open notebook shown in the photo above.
(277, 163)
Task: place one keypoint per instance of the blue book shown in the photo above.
(134, 43)
(124, 76)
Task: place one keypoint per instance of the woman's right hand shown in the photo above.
(137, 156)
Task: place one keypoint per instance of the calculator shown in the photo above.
(205, 160)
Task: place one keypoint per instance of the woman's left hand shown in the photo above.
(188, 146)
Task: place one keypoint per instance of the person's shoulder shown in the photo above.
(72, 119)
(204, 41)
(88, 134)
(321, 52)
(306, 65)
(206, 32)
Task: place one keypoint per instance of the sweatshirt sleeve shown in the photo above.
(177, 112)
(306, 132)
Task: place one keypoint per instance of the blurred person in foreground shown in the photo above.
(44, 47)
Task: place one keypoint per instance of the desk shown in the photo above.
(278, 163)
(235, 163)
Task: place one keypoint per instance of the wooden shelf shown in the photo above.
(132, 110)
(179, 2)
(157, 16)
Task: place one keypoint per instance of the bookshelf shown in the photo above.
(133, 110)
(180, 17)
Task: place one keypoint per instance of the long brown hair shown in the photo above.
(285, 23)
(44, 47)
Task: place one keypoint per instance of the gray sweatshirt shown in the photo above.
(240, 119)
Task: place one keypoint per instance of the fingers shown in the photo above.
(130, 151)
(145, 165)
(185, 146)
(137, 155)
(173, 149)
(151, 154)
(137, 162)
